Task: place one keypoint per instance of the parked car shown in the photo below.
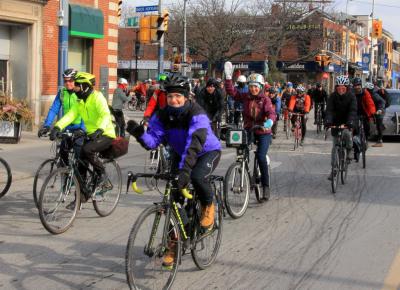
(391, 119)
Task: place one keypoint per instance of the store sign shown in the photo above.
(304, 26)
(241, 66)
(142, 64)
(296, 66)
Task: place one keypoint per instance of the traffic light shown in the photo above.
(318, 59)
(326, 60)
(165, 17)
(144, 32)
(119, 8)
(159, 25)
(376, 28)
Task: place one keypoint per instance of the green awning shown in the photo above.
(86, 22)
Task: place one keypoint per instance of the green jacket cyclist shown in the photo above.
(92, 107)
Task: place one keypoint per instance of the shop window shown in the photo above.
(80, 54)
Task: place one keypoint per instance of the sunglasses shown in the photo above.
(68, 81)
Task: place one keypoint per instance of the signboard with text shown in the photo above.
(144, 9)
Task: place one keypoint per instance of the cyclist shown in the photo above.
(319, 97)
(184, 126)
(341, 110)
(365, 110)
(257, 110)
(287, 93)
(380, 105)
(276, 105)
(158, 100)
(300, 103)
(211, 98)
(64, 100)
(119, 98)
(92, 107)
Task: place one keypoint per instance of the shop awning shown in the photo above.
(86, 22)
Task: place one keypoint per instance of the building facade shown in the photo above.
(29, 48)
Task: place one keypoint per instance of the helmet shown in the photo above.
(290, 84)
(272, 90)
(318, 85)
(162, 77)
(342, 81)
(369, 86)
(300, 89)
(85, 78)
(211, 82)
(175, 82)
(357, 82)
(122, 81)
(241, 79)
(69, 73)
(255, 79)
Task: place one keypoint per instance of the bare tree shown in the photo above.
(217, 30)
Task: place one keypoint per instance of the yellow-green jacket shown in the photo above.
(94, 112)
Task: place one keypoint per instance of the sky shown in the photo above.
(386, 10)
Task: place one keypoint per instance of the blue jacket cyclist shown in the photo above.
(64, 101)
(184, 126)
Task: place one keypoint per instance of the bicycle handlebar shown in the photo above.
(163, 176)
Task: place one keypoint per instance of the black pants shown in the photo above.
(120, 120)
(65, 145)
(303, 125)
(88, 154)
(379, 126)
(322, 106)
(201, 172)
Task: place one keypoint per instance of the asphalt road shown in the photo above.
(303, 238)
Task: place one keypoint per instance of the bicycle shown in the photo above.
(319, 119)
(339, 160)
(158, 161)
(5, 177)
(238, 179)
(297, 130)
(168, 225)
(65, 189)
(363, 142)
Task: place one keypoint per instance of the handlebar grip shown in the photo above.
(186, 193)
(136, 188)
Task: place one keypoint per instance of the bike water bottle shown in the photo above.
(268, 124)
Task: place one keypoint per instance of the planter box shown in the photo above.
(10, 132)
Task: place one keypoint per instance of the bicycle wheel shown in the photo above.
(59, 200)
(343, 167)
(207, 243)
(335, 170)
(363, 151)
(146, 249)
(44, 170)
(105, 205)
(5, 177)
(236, 197)
(257, 186)
(288, 130)
(152, 166)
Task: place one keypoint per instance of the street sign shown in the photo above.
(133, 22)
(143, 9)
(365, 61)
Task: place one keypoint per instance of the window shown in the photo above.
(80, 56)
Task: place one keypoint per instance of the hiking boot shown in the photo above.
(266, 193)
(207, 216)
(378, 144)
(169, 257)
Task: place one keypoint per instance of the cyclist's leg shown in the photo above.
(64, 151)
(200, 174)
(366, 128)
(315, 113)
(348, 139)
(303, 127)
(78, 143)
(263, 142)
(119, 118)
(89, 151)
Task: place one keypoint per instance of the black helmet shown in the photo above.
(211, 82)
(272, 90)
(318, 85)
(69, 73)
(357, 82)
(176, 83)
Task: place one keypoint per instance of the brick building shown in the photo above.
(29, 47)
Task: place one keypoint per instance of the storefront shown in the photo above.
(305, 72)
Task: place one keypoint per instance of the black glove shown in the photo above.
(54, 133)
(183, 179)
(79, 133)
(43, 131)
(97, 134)
(134, 128)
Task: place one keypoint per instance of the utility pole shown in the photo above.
(184, 36)
(161, 45)
(62, 16)
(137, 48)
(346, 68)
(371, 49)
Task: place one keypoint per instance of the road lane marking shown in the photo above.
(392, 280)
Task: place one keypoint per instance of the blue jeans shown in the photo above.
(263, 142)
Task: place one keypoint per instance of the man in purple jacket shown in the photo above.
(257, 110)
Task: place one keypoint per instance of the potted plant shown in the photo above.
(12, 114)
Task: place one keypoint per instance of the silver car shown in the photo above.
(391, 120)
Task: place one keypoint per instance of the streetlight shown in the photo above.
(184, 35)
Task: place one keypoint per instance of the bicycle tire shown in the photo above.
(203, 239)
(257, 187)
(8, 179)
(111, 197)
(36, 184)
(242, 205)
(134, 249)
(152, 165)
(344, 167)
(71, 181)
(335, 171)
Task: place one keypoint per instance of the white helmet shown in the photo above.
(255, 79)
(369, 86)
(241, 79)
(122, 81)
